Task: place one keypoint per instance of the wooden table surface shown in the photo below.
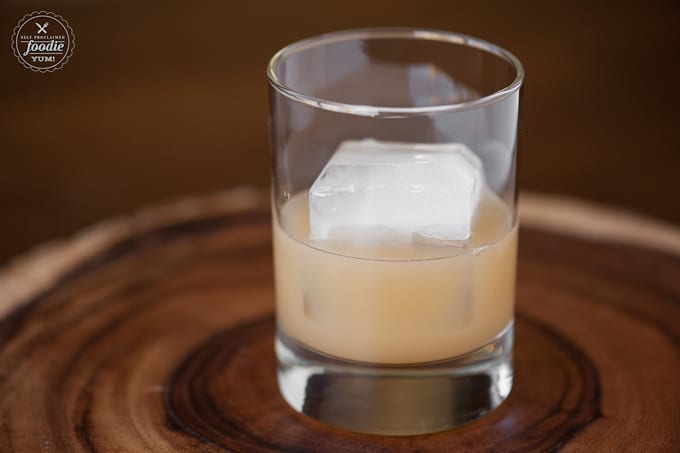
(155, 333)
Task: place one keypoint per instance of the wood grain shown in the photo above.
(157, 333)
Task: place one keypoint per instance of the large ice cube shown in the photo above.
(394, 191)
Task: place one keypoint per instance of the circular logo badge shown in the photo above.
(43, 41)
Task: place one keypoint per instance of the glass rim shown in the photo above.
(385, 33)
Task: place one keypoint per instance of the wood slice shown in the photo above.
(155, 333)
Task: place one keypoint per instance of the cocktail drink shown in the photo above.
(395, 304)
(394, 227)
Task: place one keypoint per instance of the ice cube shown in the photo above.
(409, 191)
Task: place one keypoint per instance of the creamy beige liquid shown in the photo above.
(395, 303)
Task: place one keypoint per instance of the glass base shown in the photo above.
(395, 399)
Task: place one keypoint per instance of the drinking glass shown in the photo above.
(394, 227)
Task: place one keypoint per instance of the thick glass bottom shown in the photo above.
(395, 399)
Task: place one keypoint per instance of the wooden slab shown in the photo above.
(155, 333)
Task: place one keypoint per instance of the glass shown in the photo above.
(394, 226)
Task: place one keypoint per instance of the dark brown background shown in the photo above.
(162, 99)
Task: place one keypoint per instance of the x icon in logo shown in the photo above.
(42, 28)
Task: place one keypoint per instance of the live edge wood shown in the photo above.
(155, 334)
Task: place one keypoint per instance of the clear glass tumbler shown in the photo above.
(395, 227)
